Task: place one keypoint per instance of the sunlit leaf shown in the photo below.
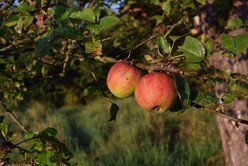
(108, 21)
(93, 48)
(192, 66)
(235, 44)
(87, 14)
(209, 44)
(30, 135)
(193, 49)
(234, 23)
(27, 22)
(113, 111)
(228, 97)
(47, 157)
(24, 7)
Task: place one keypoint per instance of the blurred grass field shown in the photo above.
(136, 138)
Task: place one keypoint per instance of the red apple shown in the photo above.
(155, 92)
(122, 79)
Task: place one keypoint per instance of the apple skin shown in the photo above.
(155, 92)
(122, 79)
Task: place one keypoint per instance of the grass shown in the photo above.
(137, 138)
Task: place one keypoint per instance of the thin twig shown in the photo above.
(97, 82)
(12, 115)
(236, 120)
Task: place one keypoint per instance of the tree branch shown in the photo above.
(12, 115)
(219, 113)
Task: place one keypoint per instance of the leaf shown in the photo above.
(234, 23)
(24, 7)
(193, 66)
(183, 90)
(175, 38)
(228, 98)
(61, 12)
(27, 22)
(235, 44)
(48, 157)
(19, 25)
(209, 45)
(87, 14)
(240, 90)
(113, 111)
(108, 22)
(31, 135)
(4, 129)
(91, 90)
(12, 21)
(45, 44)
(68, 32)
(49, 132)
(193, 49)
(93, 48)
(164, 46)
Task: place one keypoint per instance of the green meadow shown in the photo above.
(136, 138)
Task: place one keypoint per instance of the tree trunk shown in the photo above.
(235, 149)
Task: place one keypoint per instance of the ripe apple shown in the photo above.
(122, 79)
(155, 92)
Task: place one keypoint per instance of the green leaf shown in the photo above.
(24, 7)
(193, 49)
(27, 22)
(113, 111)
(4, 129)
(48, 157)
(193, 66)
(164, 46)
(209, 44)
(240, 90)
(31, 135)
(45, 44)
(175, 38)
(68, 32)
(183, 90)
(61, 12)
(234, 23)
(12, 20)
(87, 14)
(235, 44)
(93, 48)
(49, 132)
(19, 25)
(91, 90)
(228, 98)
(108, 22)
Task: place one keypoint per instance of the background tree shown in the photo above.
(60, 51)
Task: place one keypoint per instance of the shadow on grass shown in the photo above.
(136, 138)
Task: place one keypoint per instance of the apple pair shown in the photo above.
(155, 91)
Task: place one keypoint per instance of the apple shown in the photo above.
(122, 79)
(155, 92)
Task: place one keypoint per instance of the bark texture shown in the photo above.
(233, 138)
